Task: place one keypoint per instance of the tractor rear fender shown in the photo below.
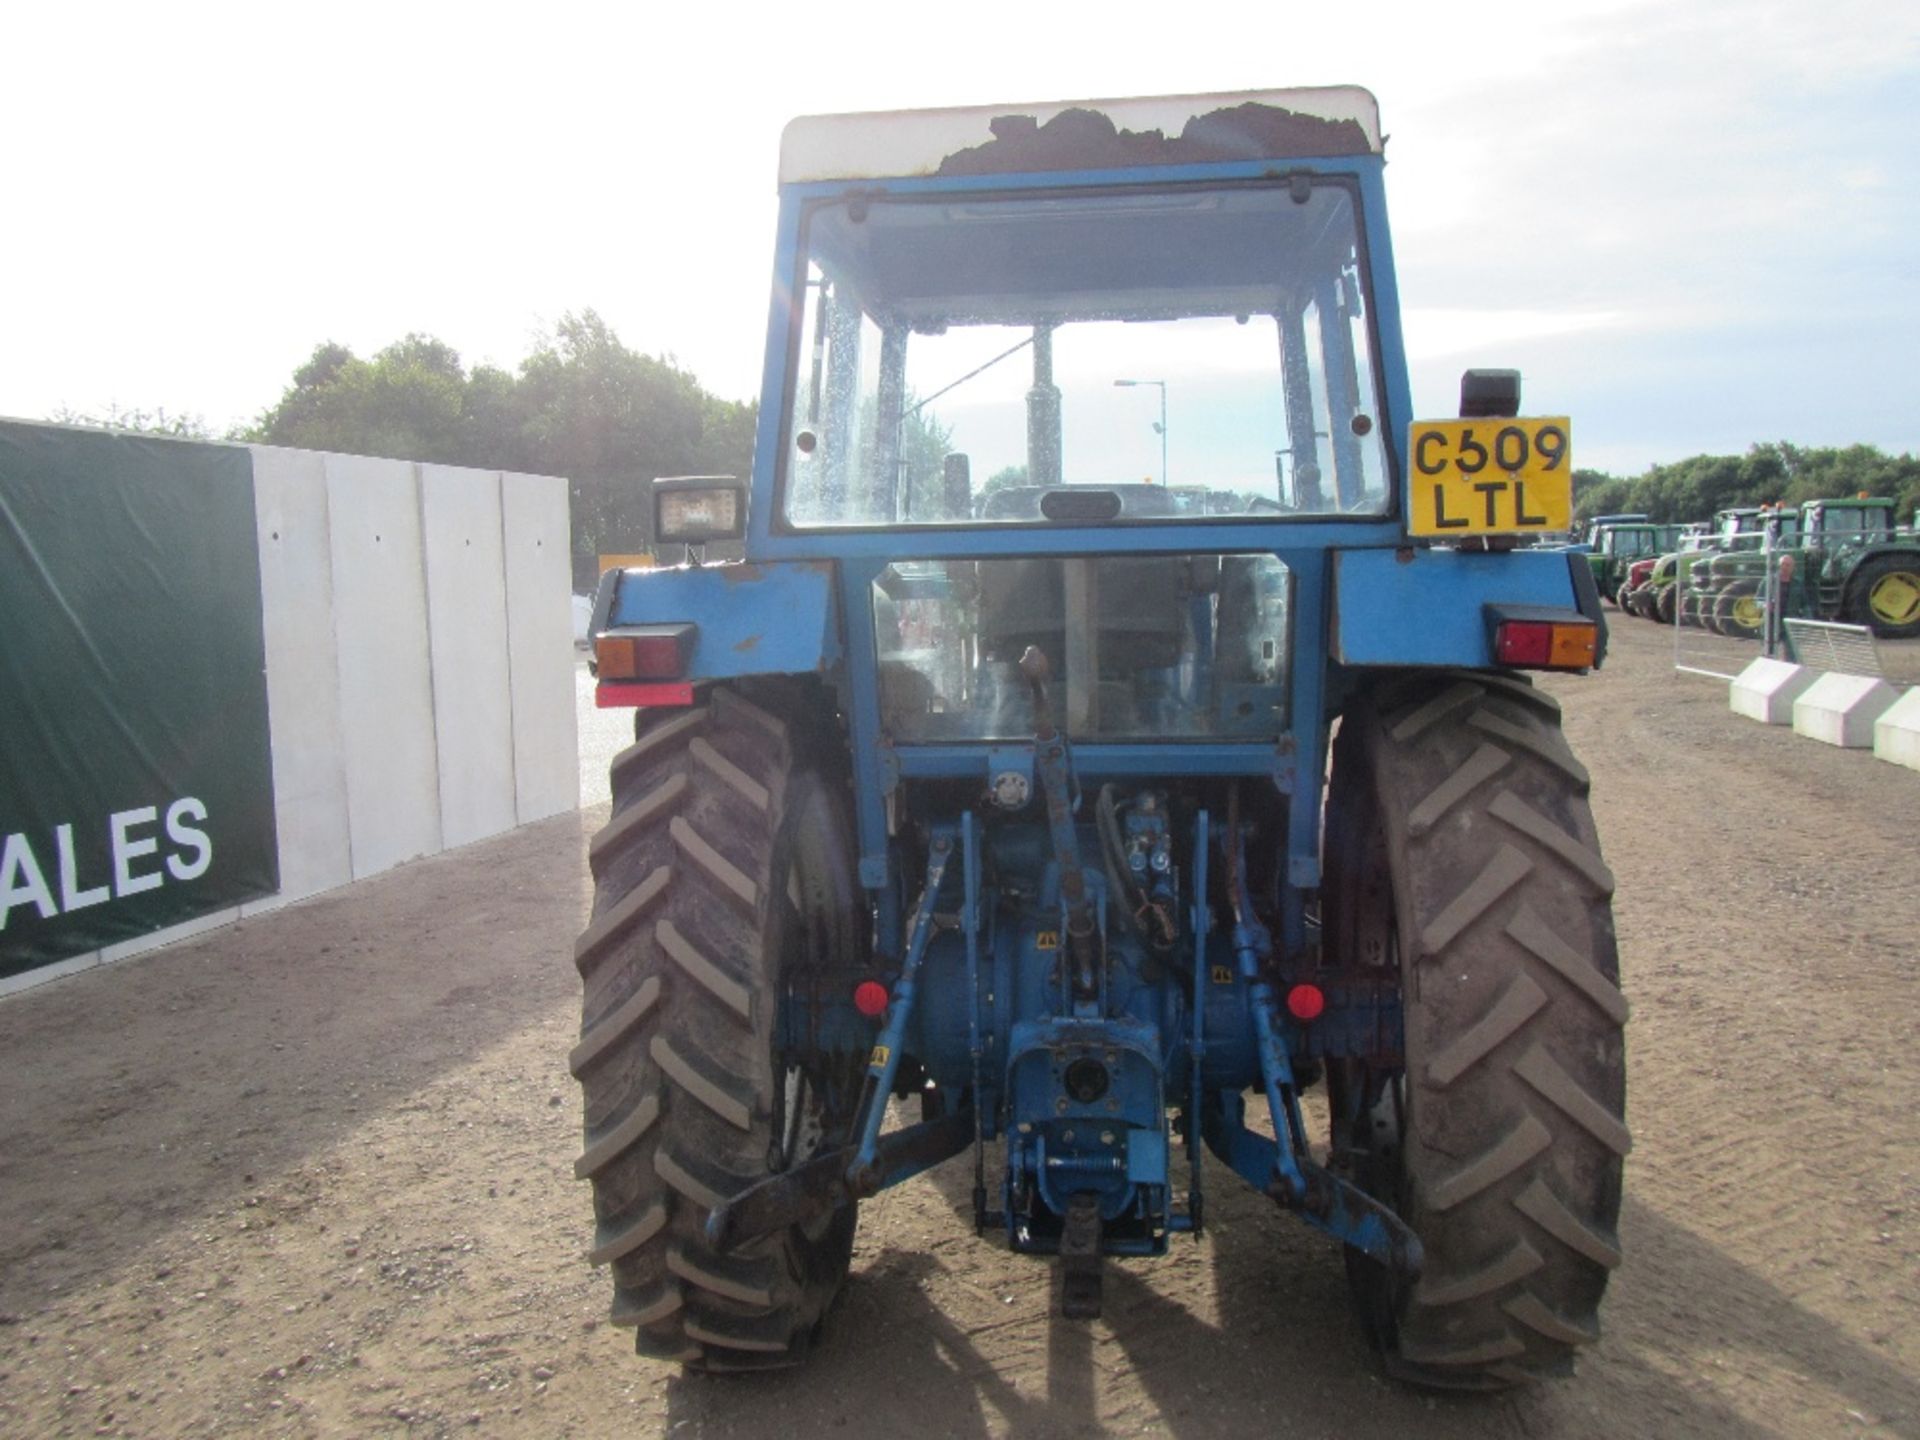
(1898, 546)
(745, 619)
(1432, 607)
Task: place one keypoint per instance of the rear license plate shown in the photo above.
(1490, 477)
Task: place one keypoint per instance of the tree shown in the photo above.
(1597, 493)
(1769, 473)
(405, 402)
(583, 405)
(139, 422)
(924, 443)
(613, 420)
(1006, 478)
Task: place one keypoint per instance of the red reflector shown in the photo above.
(1306, 1002)
(1523, 642)
(870, 999)
(614, 697)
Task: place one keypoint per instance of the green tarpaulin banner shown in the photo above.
(136, 782)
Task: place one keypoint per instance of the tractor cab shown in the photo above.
(1745, 527)
(1588, 540)
(1835, 523)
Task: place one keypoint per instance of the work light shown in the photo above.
(696, 509)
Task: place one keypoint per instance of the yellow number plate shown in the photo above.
(1490, 477)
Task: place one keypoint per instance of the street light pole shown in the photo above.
(1162, 426)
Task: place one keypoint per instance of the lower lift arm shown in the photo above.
(1283, 1167)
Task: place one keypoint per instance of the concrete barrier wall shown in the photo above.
(419, 653)
(424, 696)
(535, 524)
(292, 514)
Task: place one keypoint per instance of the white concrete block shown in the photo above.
(1766, 689)
(467, 627)
(546, 743)
(1896, 734)
(386, 683)
(303, 682)
(1841, 709)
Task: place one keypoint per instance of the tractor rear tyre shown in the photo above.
(1738, 611)
(1663, 604)
(725, 874)
(1709, 603)
(1886, 596)
(1462, 854)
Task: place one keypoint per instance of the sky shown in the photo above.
(1692, 225)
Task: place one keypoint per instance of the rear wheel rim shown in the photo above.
(1895, 598)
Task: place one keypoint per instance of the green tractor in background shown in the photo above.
(1618, 544)
(1848, 563)
(1589, 534)
(1677, 591)
(1650, 581)
(1636, 595)
(1729, 586)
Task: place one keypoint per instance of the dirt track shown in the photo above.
(312, 1174)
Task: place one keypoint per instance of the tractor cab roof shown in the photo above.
(1255, 125)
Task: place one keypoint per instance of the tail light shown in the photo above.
(643, 652)
(1546, 644)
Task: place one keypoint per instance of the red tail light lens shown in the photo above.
(648, 652)
(1546, 645)
(1524, 643)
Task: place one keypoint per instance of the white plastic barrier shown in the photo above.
(1766, 689)
(1841, 709)
(1896, 734)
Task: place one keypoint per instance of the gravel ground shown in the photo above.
(311, 1175)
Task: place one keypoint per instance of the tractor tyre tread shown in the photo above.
(679, 966)
(1511, 1158)
(1860, 588)
(1728, 611)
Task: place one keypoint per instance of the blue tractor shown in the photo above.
(1118, 726)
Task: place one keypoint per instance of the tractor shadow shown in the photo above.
(151, 1092)
(892, 1361)
(1249, 1332)
(1680, 1300)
